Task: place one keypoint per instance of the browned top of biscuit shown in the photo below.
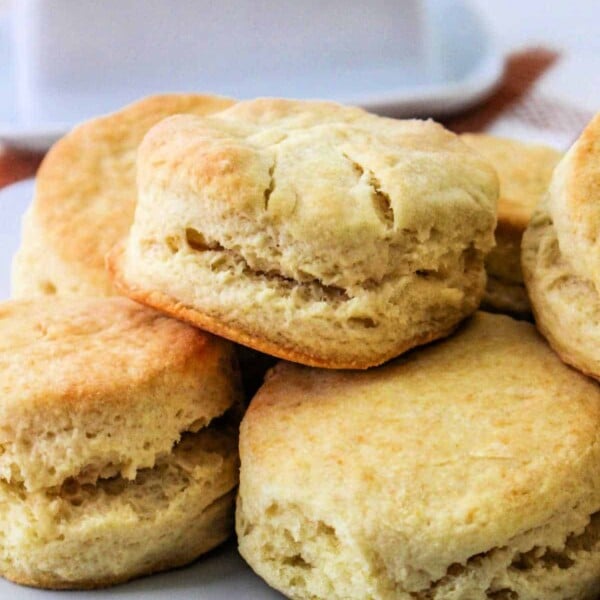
(85, 189)
(573, 203)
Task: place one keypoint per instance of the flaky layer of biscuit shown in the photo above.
(85, 198)
(295, 551)
(102, 381)
(354, 333)
(96, 531)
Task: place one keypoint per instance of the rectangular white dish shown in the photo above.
(409, 58)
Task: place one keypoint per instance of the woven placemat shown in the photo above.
(522, 107)
(521, 72)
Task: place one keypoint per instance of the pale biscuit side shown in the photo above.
(86, 534)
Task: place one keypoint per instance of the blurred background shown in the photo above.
(525, 69)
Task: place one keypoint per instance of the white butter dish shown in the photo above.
(66, 61)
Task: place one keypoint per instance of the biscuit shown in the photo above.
(467, 470)
(560, 256)
(119, 441)
(85, 198)
(524, 171)
(310, 231)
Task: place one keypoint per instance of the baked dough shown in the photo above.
(310, 231)
(467, 470)
(524, 171)
(561, 256)
(118, 441)
(85, 198)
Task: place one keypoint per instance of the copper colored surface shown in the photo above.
(16, 165)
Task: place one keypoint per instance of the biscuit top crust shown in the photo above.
(440, 455)
(85, 188)
(87, 383)
(316, 189)
(574, 203)
(524, 171)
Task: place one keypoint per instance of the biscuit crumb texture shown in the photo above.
(116, 456)
(559, 256)
(466, 471)
(311, 231)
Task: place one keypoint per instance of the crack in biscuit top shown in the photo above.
(317, 190)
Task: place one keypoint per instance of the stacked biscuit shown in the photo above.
(313, 232)
(119, 425)
(337, 240)
(119, 453)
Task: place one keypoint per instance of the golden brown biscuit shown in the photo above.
(524, 171)
(117, 457)
(310, 231)
(467, 470)
(560, 256)
(85, 198)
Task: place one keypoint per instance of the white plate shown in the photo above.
(222, 575)
(464, 66)
(14, 200)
